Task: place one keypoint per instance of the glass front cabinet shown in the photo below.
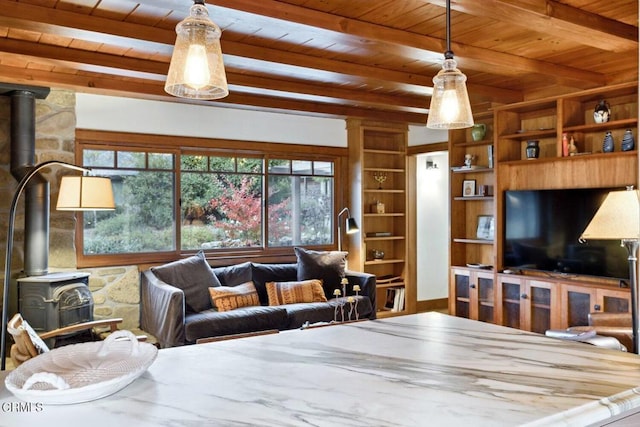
(473, 293)
(538, 304)
(527, 304)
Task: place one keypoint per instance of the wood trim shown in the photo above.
(427, 148)
(433, 304)
(411, 292)
(86, 136)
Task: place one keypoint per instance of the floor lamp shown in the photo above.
(350, 226)
(77, 193)
(618, 218)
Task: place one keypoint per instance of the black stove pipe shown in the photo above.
(23, 147)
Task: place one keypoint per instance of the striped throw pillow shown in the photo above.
(225, 298)
(292, 292)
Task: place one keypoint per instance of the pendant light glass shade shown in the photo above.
(450, 107)
(85, 193)
(197, 70)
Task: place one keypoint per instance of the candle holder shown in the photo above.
(336, 293)
(350, 300)
(381, 178)
(356, 289)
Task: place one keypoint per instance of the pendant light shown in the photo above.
(197, 70)
(450, 108)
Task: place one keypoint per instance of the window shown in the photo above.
(221, 201)
(188, 200)
(300, 202)
(143, 188)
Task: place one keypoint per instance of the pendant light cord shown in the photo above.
(448, 54)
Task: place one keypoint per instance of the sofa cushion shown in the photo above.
(213, 323)
(327, 266)
(225, 298)
(234, 274)
(300, 313)
(194, 276)
(292, 292)
(263, 273)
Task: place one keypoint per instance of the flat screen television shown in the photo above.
(542, 230)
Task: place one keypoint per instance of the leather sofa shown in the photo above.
(179, 315)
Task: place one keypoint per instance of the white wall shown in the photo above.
(432, 211)
(169, 118)
(419, 135)
(113, 113)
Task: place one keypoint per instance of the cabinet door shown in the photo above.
(577, 303)
(460, 293)
(510, 311)
(482, 284)
(539, 308)
(613, 301)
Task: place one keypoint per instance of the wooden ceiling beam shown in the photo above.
(556, 19)
(308, 61)
(80, 56)
(362, 97)
(414, 45)
(85, 27)
(150, 89)
(352, 69)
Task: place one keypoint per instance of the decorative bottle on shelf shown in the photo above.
(608, 144)
(602, 112)
(565, 145)
(628, 143)
(533, 150)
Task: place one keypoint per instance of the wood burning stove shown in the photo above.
(55, 300)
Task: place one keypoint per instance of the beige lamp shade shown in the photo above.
(617, 218)
(85, 193)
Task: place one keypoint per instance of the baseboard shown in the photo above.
(432, 304)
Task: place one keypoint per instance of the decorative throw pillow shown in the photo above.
(233, 275)
(293, 292)
(225, 298)
(326, 266)
(194, 276)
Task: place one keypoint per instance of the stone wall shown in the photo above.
(115, 289)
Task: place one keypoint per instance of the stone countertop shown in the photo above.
(425, 369)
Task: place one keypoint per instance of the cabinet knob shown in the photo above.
(472, 286)
(597, 307)
(524, 296)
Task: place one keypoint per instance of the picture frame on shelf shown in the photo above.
(486, 227)
(468, 188)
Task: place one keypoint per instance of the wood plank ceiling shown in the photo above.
(337, 58)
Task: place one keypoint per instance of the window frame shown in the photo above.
(178, 145)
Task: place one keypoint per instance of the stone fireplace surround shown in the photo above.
(115, 290)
